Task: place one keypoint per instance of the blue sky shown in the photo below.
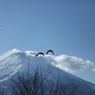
(66, 26)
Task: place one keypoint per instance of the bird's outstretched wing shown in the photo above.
(50, 51)
(40, 53)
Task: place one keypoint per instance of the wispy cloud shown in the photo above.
(4, 55)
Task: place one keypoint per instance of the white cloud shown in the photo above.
(71, 63)
(31, 52)
(15, 50)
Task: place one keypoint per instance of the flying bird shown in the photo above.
(50, 51)
(40, 53)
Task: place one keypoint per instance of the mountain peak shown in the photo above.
(15, 50)
(18, 61)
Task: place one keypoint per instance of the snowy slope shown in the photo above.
(19, 61)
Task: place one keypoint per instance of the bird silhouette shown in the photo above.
(40, 53)
(50, 51)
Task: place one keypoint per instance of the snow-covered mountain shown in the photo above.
(17, 61)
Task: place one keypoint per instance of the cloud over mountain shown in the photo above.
(68, 63)
(71, 63)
